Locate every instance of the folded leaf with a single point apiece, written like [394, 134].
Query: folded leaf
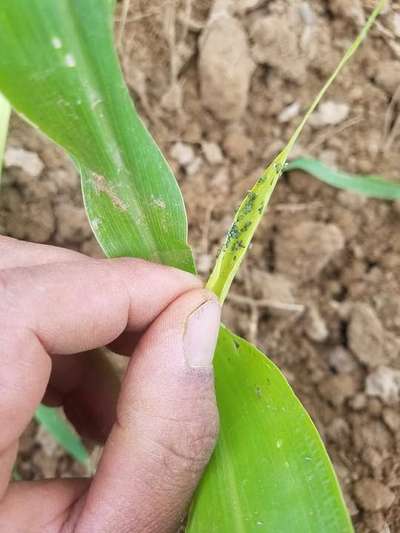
[371, 186]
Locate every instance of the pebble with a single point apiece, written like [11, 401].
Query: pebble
[315, 326]
[212, 152]
[388, 75]
[272, 287]
[337, 389]
[352, 200]
[341, 360]
[274, 40]
[372, 495]
[290, 112]
[391, 418]
[366, 335]
[304, 249]
[384, 383]
[225, 67]
[329, 113]
[359, 402]
[28, 161]
[182, 153]
[237, 145]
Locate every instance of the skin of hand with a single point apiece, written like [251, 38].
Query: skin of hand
[57, 307]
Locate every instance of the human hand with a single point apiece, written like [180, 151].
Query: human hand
[56, 308]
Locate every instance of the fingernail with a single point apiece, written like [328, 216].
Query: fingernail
[201, 334]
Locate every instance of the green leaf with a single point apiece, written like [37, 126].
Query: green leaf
[62, 432]
[270, 471]
[4, 118]
[59, 68]
[371, 186]
[254, 205]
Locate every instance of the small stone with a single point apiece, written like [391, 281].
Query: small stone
[194, 166]
[341, 360]
[304, 249]
[391, 418]
[352, 200]
[330, 113]
[172, 98]
[372, 457]
[204, 263]
[372, 495]
[212, 152]
[374, 434]
[273, 40]
[366, 335]
[272, 287]
[337, 389]
[338, 430]
[237, 144]
[288, 113]
[384, 383]
[182, 153]
[388, 75]
[396, 23]
[315, 326]
[225, 67]
[374, 406]
[221, 181]
[47, 442]
[28, 161]
[359, 402]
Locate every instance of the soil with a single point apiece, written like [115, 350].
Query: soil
[222, 84]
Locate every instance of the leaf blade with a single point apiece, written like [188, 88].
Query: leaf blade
[279, 478]
[62, 72]
[370, 186]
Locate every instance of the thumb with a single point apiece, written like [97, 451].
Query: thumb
[166, 424]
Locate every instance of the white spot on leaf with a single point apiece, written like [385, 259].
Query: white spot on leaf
[70, 61]
[56, 43]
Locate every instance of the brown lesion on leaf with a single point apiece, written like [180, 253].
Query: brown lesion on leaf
[101, 185]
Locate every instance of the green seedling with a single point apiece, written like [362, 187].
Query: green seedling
[370, 186]
[270, 471]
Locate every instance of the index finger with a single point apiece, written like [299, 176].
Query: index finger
[68, 308]
[81, 305]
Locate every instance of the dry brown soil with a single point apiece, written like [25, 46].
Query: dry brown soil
[320, 291]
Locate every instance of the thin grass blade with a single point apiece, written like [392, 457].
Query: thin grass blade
[370, 186]
[62, 432]
[254, 205]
